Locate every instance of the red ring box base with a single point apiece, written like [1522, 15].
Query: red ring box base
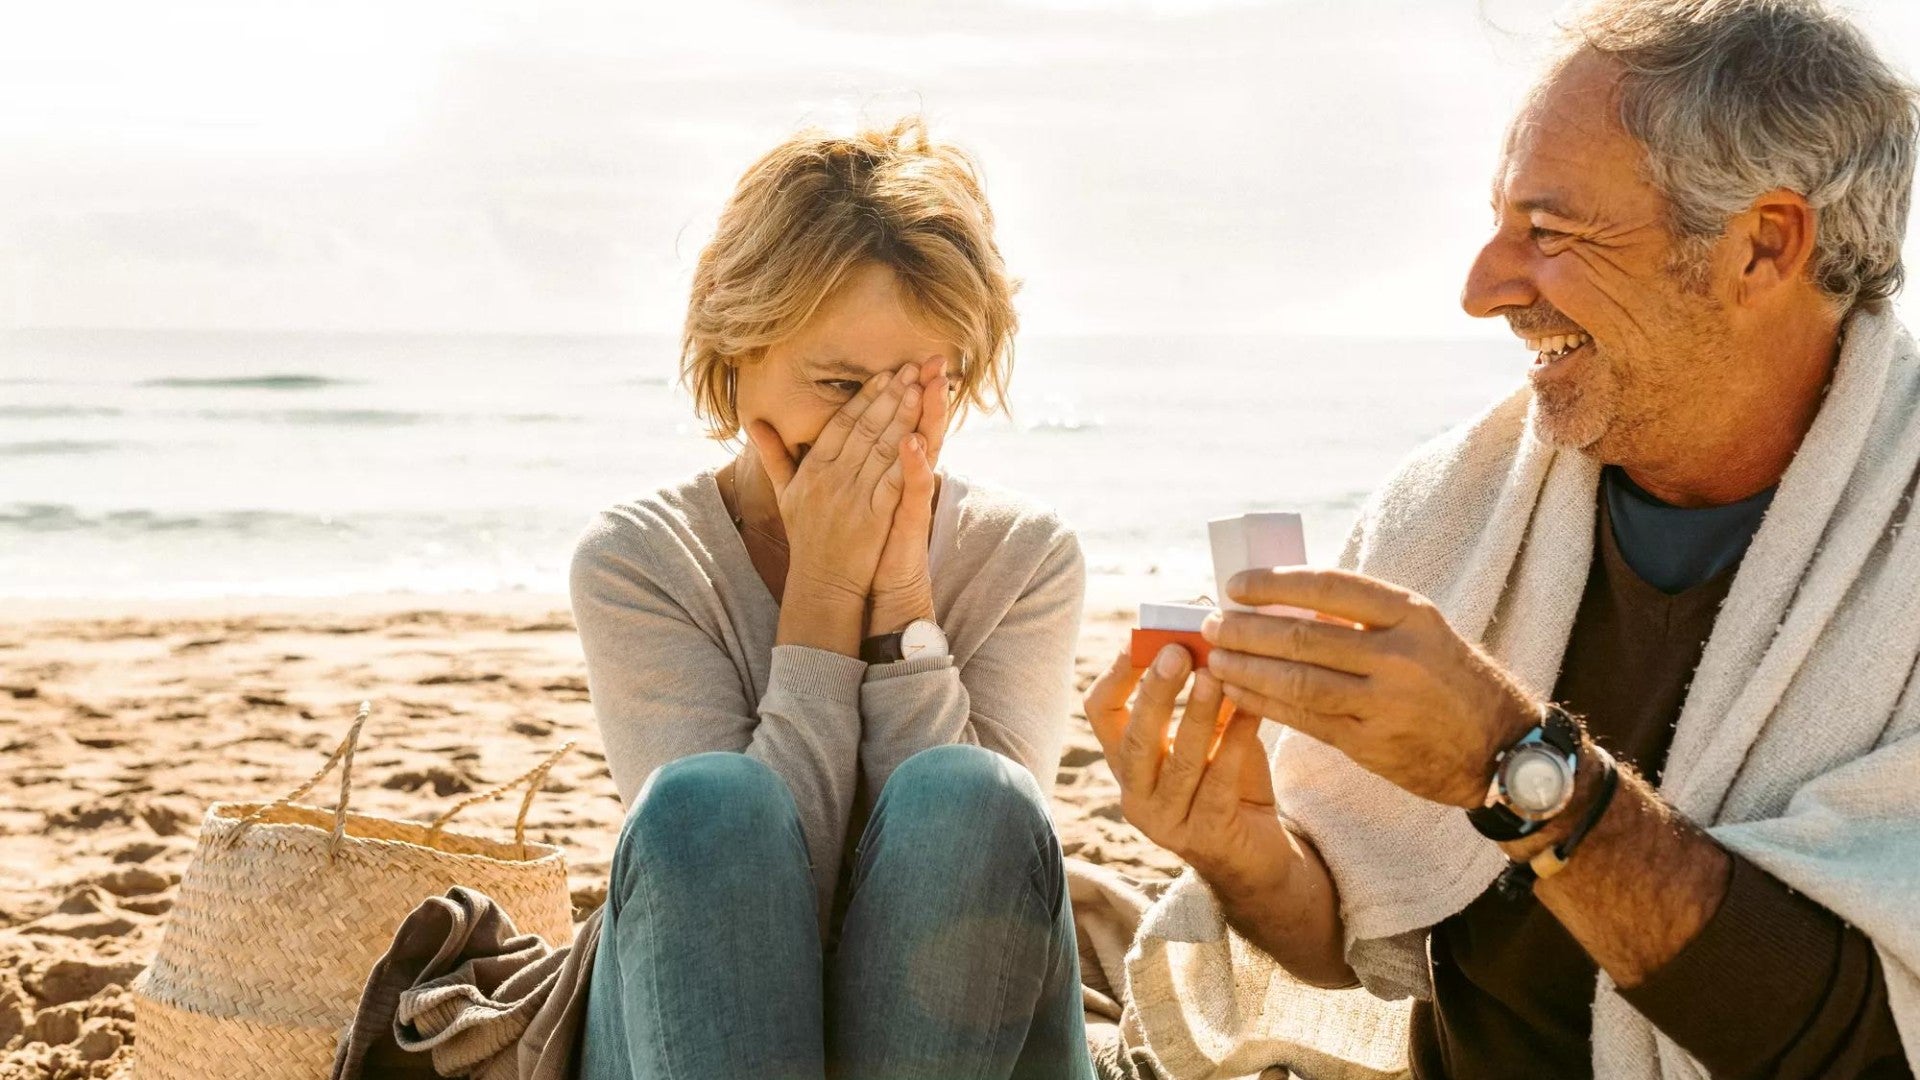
[1146, 645]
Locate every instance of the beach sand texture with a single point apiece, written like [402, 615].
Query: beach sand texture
[119, 727]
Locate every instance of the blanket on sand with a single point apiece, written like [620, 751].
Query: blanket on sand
[461, 993]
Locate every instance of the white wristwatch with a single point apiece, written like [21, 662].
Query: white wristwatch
[920, 639]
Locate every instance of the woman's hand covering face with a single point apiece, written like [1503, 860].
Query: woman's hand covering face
[838, 504]
[902, 587]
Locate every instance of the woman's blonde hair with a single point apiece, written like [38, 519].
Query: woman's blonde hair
[819, 207]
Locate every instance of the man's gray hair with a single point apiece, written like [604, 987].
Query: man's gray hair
[1735, 98]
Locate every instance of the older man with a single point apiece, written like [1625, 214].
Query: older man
[1609, 751]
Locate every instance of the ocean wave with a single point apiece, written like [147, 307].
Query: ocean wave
[56, 447]
[318, 417]
[63, 517]
[53, 412]
[1068, 424]
[247, 382]
[367, 417]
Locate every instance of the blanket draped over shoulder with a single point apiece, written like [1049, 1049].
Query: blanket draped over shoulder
[1798, 746]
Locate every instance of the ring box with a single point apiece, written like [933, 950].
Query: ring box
[1170, 624]
[1239, 543]
[1256, 541]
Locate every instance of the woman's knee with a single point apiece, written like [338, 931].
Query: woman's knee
[702, 807]
[968, 787]
[967, 818]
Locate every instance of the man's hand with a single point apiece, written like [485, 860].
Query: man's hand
[1206, 794]
[1392, 685]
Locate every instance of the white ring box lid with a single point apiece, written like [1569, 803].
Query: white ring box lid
[1256, 541]
[1181, 617]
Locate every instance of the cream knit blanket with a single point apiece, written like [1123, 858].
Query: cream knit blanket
[1798, 746]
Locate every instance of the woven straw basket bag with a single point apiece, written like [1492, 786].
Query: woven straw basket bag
[284, 909]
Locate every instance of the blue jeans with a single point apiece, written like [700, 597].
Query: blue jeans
[956, 957]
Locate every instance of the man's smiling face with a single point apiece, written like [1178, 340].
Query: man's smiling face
[1624, 320]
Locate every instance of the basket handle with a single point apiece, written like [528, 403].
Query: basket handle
[534, 778]
[342, 754]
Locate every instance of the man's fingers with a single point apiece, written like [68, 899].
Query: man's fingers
[1256, 771]
[833, 437]
[1339, 593]
[1285, 637]
[1330, 729]
[1193, 744]
[772, 454]
[1106, 706]
[1145, 744]
[1302, 686]
[1221, 792]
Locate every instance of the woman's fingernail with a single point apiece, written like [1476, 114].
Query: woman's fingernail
[1171, 661]
[915, 443]
[1210, 628]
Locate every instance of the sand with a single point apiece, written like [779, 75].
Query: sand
[120, 723]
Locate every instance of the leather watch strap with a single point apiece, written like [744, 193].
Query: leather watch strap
[882, 648]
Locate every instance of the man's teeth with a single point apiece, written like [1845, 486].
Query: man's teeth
[1557, 346]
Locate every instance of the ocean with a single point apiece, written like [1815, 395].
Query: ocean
[168, 465]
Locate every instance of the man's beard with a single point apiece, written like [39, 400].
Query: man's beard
[1577, 415]
[1573, 414]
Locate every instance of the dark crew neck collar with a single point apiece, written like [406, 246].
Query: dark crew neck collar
[1674, 548]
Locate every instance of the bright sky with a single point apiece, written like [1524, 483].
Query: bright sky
[1309, 166]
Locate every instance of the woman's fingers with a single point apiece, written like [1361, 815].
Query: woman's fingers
[887, 491]
[773, 455]
[934, 406]
[868, 427]
[886, 448]
[840, 427]
[916, 500]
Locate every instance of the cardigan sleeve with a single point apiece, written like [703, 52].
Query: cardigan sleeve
[1011, 696]
[664, 689]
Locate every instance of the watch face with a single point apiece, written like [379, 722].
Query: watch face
[1537, 781]
[921, 638]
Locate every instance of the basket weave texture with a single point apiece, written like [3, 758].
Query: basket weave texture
[285, 908]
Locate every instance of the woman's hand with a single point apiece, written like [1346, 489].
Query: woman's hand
[902, 587]
[837, 506]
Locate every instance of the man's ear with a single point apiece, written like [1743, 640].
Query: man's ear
[1779, 230]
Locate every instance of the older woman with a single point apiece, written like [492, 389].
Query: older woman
[828, 640]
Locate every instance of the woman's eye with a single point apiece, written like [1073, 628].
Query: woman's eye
[848, 387]
[1545, 235]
